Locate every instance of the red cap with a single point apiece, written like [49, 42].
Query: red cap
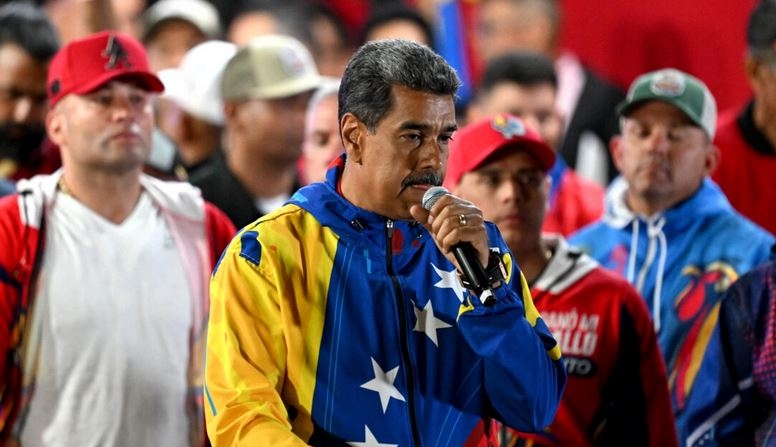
[87, 64]
[474, 143]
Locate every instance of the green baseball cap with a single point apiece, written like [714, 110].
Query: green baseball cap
[688, 93]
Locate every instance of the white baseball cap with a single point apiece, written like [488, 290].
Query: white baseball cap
[200, 13]
[195, 86]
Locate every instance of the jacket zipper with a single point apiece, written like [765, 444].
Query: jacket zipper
[403, 339]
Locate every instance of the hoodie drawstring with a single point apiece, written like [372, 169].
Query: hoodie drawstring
[633, 248]
[661, 266]
[654, 233]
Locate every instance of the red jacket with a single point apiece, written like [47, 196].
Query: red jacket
[617, 389]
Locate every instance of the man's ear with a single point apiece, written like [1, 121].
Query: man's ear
[352, 130]
[752, 68]
[230, 112]
[712, 159]
[615, 147]
[55, 123]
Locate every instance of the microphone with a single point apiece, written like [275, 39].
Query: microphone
[465, 254]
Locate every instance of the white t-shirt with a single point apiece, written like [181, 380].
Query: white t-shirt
[114, 312]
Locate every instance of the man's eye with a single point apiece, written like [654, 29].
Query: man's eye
[414, 138]
[139, 100]
[530, 179]
[677, 134]
[640, 132]
[492, 180]
[103, 99]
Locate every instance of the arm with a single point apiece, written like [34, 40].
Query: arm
[19, 262]
[246, 352]
[519, 355]
[721, 409]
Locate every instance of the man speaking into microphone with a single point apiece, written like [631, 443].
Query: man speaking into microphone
[347, 316]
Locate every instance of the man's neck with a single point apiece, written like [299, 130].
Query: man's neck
[533, 259]
[262, 177]
[109, 194]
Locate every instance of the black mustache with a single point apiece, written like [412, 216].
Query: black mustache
[425, 178]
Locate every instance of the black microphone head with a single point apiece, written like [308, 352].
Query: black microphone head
[431, 196]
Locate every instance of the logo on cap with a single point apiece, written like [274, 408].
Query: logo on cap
[116, 54]
[509, 127]
[292, 62]
[667, 83]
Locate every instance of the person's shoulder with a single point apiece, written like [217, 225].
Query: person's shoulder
[210, 171]
[278, 230]
[7, 187]
[10, 218]
[593, 230]
[604, 90]
[176, 197]
[736, 224]
[218, 221]
[9, 201]
[615, 285]
[281, 220]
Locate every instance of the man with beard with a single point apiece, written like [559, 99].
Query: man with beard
[28, 41]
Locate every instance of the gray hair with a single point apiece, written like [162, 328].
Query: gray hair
[378, 66]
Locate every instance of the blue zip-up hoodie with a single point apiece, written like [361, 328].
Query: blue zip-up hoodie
[681, 261]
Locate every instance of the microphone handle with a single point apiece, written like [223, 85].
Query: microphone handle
[473, 271]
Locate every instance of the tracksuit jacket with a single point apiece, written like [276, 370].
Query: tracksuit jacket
[331, 325]
[200, 232]
[736, 385]
[681, 261]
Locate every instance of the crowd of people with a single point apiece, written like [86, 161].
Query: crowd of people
[252, 223]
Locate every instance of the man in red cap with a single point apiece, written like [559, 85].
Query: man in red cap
[617, 389]
[103, 278]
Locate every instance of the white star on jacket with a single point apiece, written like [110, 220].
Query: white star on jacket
[428, 323]
[449, 281]
[370, 441]
[382, 384]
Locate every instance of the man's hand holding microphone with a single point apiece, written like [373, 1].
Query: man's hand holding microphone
[459, 231]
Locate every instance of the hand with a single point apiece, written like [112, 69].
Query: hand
[447, 227]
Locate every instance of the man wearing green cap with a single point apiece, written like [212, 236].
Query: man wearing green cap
[667, 227]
